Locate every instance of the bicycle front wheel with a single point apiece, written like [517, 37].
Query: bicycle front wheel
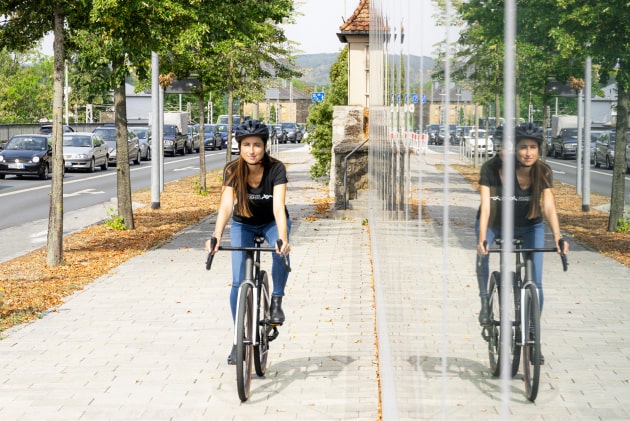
[495, 333]
[244, 341]
[531, 343]
[261, 350]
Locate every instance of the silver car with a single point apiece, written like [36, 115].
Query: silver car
[144, 137]
[108, 133]
[86, 151]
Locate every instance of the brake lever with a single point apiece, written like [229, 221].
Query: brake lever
[285, 259]
[213, 243]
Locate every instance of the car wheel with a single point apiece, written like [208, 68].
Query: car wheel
[92, 165]
[105, 164]
[137, 160]
[149, 154]
[595, 162]
[43, 172]
[609, 165]
[2, 176]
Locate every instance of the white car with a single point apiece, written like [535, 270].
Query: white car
[84, 151]
[235, 150]
[478, 136]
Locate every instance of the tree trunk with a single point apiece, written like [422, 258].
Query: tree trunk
[125, 208]
[202, 151]
[619, 169]
[54, 245]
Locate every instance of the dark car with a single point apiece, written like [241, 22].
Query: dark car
[26, 154]
[280, 133]
[193, 143]
[223, 131]
[47, 129]
[212, 138]
[605, 148]
[108, 134]
[565, 145]
[294, 133]
[174, 140]
[432, 131]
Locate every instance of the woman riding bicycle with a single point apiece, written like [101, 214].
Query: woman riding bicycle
[532, 198]
[254, 191]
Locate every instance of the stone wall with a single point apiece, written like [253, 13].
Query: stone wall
[349, 131]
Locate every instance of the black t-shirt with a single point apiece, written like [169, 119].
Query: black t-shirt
[522, 197]
[261, 197]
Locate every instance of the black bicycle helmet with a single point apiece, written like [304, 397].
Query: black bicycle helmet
[528, 131]
[522, 131]
[251, 128]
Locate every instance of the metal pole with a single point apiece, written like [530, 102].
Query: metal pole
[586, 194]
[582, 144]
[155, 150]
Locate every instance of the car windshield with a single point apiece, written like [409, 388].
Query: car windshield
[77, 141]
[288, 126]
[170, 130]
[222, 127]
[208, 128]
[141, 133]
[106, 133]
[25, 143]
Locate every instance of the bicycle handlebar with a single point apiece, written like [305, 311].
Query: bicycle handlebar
[213, 243]
[563, 256]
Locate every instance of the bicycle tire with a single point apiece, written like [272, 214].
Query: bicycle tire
[261, 350]
[531, 346]
[495, 333]
[244, 343]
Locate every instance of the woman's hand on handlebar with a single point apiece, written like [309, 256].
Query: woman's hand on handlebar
[212, 245]
[285, 248]
[482, 248]
[562, 246]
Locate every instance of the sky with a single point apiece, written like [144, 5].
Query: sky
[317, 26]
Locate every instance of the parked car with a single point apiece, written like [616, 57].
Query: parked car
[222, 129]
[26, 154]
[107, 132]
[174, 140]
[460, 134]
[144, 139]
[86, 151]
[294, 133]
[47, 129]
[479, 138]
[565, 145]
[280, 133]
[193, 143]
[432, 131]
[212, 138]
[605, 149]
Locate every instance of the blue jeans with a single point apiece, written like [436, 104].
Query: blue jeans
[533, 237]
[242, 235]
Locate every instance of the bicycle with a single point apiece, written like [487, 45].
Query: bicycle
[525, 327]
[252, 314]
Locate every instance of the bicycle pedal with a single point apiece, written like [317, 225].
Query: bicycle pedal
[274, 334]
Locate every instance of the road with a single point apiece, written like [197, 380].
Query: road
[25, 202]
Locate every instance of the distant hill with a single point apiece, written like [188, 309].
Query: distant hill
[315, 68]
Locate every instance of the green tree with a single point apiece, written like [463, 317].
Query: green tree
[321, 116]
[602, 30]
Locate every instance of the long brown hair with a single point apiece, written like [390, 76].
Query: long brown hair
[541, 179]
[236, 173]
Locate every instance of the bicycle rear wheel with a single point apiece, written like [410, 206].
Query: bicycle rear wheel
[244, 343]
[261, 350]
[495, 333]
[531, 343]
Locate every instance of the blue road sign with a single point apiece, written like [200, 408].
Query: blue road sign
[424, 98]
[414, 98]
[317, 96]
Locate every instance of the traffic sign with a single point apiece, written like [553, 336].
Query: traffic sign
[317, 96]
[414, 98]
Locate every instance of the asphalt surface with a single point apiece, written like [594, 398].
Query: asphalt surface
[149, 340]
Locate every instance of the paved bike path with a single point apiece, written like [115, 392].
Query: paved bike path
[149, 341]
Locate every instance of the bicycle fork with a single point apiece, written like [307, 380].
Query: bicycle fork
[252, 321]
